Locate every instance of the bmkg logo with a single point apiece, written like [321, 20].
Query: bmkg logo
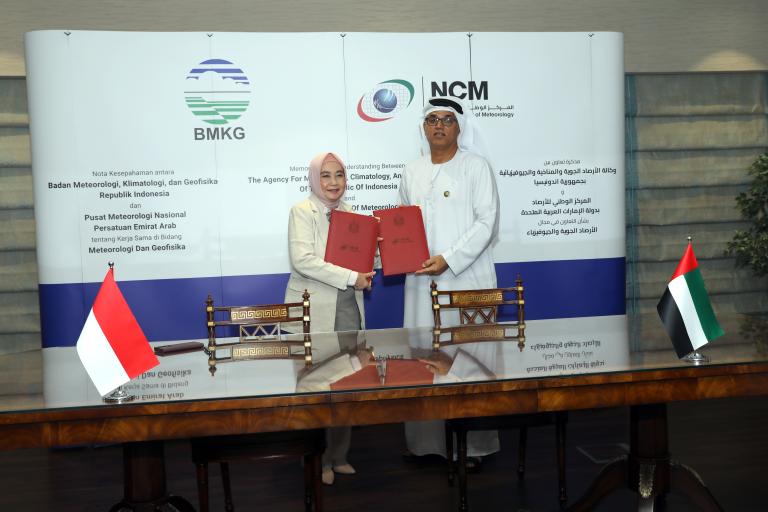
[385, 100]
[217, 93]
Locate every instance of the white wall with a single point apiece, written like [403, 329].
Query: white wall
[660, 35]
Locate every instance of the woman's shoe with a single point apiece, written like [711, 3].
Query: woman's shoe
[327, 476]
[344, 469]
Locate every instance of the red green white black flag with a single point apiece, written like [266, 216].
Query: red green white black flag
[685, 309]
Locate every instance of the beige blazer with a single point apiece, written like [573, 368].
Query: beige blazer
[307, 237]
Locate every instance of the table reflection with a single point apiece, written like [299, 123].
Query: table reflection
[361, 360]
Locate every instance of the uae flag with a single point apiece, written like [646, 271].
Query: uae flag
[112, 346]
[685, 309]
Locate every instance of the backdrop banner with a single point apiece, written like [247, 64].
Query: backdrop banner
[177, 156]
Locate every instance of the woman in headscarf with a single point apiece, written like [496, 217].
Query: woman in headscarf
[336, 293]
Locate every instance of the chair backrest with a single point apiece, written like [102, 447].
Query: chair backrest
[258, 331]
[478, 314]
[447, 336]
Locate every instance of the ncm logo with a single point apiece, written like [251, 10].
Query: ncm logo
[476, 90]
[219, 96]
[385, 100]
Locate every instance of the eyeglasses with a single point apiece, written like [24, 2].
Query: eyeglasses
[433, 120]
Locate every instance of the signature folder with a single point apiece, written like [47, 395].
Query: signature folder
[397, 372]
[352, 241]
[404, 247]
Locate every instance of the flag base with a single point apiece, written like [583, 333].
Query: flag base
[118, 396]
[696, 358]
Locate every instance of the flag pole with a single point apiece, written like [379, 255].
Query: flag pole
[695, 357]
[118, 395]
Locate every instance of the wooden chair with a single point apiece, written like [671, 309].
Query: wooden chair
[478, 322]
[479, 306]
[449, 336]
[258, 331]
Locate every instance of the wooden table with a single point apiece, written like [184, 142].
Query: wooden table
[645, 381]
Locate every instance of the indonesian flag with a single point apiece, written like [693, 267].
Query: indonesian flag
[685, 309]
[112, 346]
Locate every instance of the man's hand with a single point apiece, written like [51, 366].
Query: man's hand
[438, 363]
[364, 280]
[434, 266]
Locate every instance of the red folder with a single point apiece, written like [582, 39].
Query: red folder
[352, 241]
[400, 372]
[407, 372]
[404, 247]
[366, 378]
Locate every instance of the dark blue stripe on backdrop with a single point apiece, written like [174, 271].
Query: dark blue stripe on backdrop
[171, 309]
[568, 288]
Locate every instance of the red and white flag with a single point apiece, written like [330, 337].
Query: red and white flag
[112, 346]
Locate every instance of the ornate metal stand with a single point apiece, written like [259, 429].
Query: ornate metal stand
[119, 396]
[648, 469]
[144, 480]
[696, 358]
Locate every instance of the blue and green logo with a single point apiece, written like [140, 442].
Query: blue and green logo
[385, 100]
[217, 91]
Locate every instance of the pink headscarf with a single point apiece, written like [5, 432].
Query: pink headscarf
[314, 176]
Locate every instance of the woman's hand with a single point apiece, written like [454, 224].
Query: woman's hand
[364, 280]
[366, 357]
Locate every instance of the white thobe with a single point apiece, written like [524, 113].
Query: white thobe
[471, 362]
[460, 207]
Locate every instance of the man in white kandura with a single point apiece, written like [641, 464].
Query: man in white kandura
[456, 191]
